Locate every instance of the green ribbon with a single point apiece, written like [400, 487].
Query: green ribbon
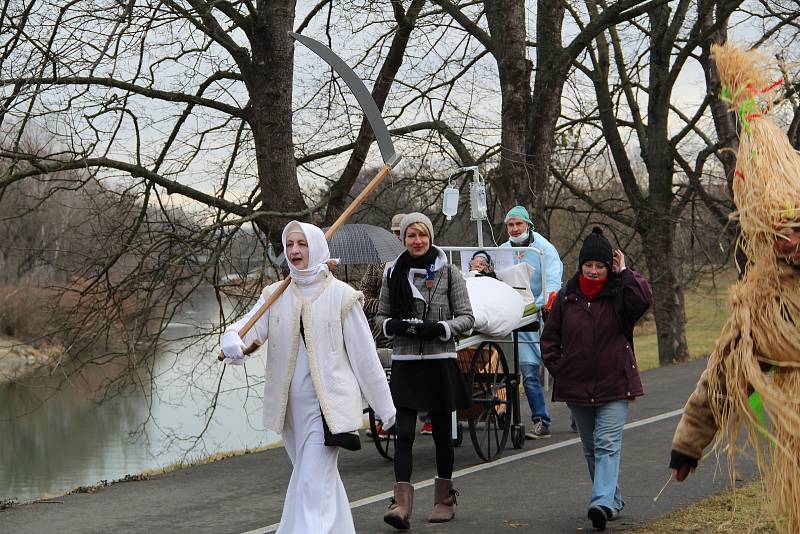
[757, 408]
[746, 108]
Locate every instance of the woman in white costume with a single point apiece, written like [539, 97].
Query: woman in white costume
[320, 357]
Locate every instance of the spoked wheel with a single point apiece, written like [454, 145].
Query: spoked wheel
[517, 436]
[385, 443]
[490, 415]
[459, 435]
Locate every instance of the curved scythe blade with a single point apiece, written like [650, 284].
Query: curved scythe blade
[363, 96]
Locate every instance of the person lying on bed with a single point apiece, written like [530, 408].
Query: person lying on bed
[481, 264]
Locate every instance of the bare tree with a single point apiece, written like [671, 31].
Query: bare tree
[187, 100]
[646, 64]
[529, 119]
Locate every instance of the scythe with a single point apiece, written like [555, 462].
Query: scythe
[388, 153]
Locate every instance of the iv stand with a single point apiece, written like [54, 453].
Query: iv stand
[477, 200]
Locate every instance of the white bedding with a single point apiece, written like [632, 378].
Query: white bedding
[497, 306]
[519, 277]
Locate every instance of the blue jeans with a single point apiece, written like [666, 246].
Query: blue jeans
[600, 427]
[533, 390]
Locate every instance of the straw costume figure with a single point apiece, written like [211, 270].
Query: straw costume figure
[757, 356]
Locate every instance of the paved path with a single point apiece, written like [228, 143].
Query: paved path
[542, 488]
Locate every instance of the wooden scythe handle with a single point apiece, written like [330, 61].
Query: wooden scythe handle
[371, 186]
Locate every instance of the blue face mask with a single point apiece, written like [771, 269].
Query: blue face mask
[520, 238]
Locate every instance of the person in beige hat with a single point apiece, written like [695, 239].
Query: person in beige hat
[373, 278]
[371, 287]
[395, 227]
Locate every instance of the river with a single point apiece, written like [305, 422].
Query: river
[57, 434]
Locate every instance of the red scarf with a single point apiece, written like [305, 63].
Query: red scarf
[591, 287]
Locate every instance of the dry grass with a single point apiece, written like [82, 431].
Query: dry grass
[706, 312]
[737, 511]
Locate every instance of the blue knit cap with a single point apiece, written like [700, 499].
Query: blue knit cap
[519, 212]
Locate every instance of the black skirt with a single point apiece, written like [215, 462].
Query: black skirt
[429, 385]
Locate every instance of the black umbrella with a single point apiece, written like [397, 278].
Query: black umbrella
[363, 244]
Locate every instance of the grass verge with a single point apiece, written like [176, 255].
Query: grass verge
[737, 511]
[706, 312]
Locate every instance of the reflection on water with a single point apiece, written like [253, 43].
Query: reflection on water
[56, 434]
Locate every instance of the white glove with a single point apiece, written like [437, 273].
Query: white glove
[232, 347]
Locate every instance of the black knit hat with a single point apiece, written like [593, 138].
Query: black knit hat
[596, 248]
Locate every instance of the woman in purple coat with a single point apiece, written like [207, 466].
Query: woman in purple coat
[587, 345]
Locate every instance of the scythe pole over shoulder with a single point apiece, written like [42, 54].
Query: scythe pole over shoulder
[384, 140]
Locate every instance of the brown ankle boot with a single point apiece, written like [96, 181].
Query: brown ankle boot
[444, 500]
[399, 514]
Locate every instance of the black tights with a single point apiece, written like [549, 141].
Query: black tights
[442, 437]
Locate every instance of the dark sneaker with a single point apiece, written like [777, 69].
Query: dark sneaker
[613, 515]
[573, 426]
[598, 516]
[540, 430]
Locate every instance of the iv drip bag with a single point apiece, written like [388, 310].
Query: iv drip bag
[477, 201]
[450, 202]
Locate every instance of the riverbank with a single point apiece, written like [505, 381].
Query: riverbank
[18, 359]
[148, 474]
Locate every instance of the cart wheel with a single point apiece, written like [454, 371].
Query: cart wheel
[490, 384]
[518, 436]
[386, 443]
[459, 435]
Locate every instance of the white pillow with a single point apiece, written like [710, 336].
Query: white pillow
[519, 277]
[497, 306]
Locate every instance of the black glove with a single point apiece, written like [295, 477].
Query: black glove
[396, 327]
[682, 465]
[431, 330]
[678, 460]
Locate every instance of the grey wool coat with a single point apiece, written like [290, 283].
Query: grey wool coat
[447, 302]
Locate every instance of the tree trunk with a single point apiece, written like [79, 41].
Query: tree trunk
[668, 299]
[270, 117]
[793, 132]
[658, 234]
[506, 19]
[653, 212]
[724, 118]
[544, 110]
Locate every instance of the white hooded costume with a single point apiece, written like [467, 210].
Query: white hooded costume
[327, 372]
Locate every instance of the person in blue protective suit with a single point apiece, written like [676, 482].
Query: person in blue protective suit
[521, 234]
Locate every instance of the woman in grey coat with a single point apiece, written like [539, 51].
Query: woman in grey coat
[423, 306]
